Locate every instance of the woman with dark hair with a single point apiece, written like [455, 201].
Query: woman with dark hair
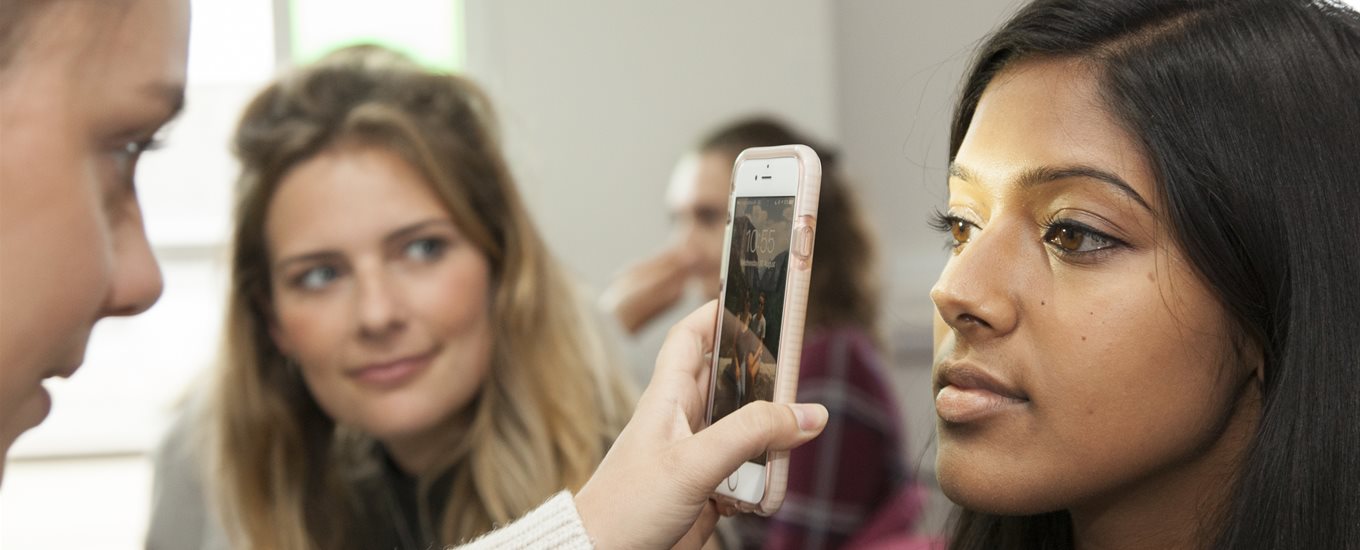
[1147, 330]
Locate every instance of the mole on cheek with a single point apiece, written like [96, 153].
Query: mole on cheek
[1150, 277]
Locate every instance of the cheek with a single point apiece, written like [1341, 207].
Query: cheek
[312, 330]
[455, 300]
[1122, 385]
[55, 252]
[1143, 356]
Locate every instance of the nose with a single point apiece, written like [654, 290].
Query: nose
[136, 282]
[380, 310]
[977, 294]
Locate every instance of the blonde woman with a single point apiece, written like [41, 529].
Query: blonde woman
[405, 364]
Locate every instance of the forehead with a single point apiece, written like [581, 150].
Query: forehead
[109, 45]
[348, 196]
[1050, 113]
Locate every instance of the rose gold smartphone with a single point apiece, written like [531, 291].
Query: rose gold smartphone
[767, 261]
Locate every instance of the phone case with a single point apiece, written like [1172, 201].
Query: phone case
[795, 305]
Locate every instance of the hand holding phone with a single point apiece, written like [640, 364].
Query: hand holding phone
[632, 503]
[767, 264]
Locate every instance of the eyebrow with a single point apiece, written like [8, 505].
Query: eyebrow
[1045, 174]
[399, 234]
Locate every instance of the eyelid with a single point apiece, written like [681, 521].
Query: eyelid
[1089, 255]
[297, 279]
[439, 244]
[1062, 219]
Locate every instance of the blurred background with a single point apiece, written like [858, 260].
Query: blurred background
[598, 99]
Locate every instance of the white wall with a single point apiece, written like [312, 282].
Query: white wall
[898, 67]
[600, 97]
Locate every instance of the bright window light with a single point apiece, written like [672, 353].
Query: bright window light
[429, 31]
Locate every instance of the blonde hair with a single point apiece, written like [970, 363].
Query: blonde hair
[553, 398]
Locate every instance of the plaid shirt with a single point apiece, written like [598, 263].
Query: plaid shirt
[850, 486]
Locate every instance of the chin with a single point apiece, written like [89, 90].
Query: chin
[397, 427]
[401, 419]
[980, 487]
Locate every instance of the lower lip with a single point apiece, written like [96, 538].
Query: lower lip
[960, 405]
[394, 374]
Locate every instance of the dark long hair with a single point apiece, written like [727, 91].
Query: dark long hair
[844, 289]
[1249, 111]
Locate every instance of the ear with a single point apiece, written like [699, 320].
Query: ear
[1254, 358]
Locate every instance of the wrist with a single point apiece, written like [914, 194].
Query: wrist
[588, 515]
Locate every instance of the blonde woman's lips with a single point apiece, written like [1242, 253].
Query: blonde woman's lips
[393, 373]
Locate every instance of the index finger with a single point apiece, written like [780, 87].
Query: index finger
[681, 359]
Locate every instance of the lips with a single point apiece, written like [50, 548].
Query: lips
[966, 393]
[391, 373]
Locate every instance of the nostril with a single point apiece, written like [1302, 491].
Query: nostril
[970, 319]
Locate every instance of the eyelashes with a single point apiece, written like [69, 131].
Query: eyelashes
[957, 230]
[1069, 238]
[1073, 238]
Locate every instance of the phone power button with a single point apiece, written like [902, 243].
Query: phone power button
[802, 242]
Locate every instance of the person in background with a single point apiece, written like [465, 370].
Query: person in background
[854, 486]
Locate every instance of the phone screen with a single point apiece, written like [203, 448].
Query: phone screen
[757, 269]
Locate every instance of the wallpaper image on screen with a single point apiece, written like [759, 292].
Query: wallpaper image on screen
[757, 269]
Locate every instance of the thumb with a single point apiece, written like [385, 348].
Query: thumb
[761, 426]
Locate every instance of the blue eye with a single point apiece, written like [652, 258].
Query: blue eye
[316, 278]
[426, 249]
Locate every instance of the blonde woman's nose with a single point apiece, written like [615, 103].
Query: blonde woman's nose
[380, 310]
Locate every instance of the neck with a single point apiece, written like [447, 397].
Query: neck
[1179, 507]
[419, 453]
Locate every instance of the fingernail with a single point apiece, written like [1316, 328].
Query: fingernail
[811, 416]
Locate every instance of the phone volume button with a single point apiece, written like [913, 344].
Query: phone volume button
[803, 242]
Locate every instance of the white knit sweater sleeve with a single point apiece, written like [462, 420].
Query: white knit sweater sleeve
[554, 524]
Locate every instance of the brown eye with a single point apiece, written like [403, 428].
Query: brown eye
[1068, 238]
[1073, 238]
[960, 230]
